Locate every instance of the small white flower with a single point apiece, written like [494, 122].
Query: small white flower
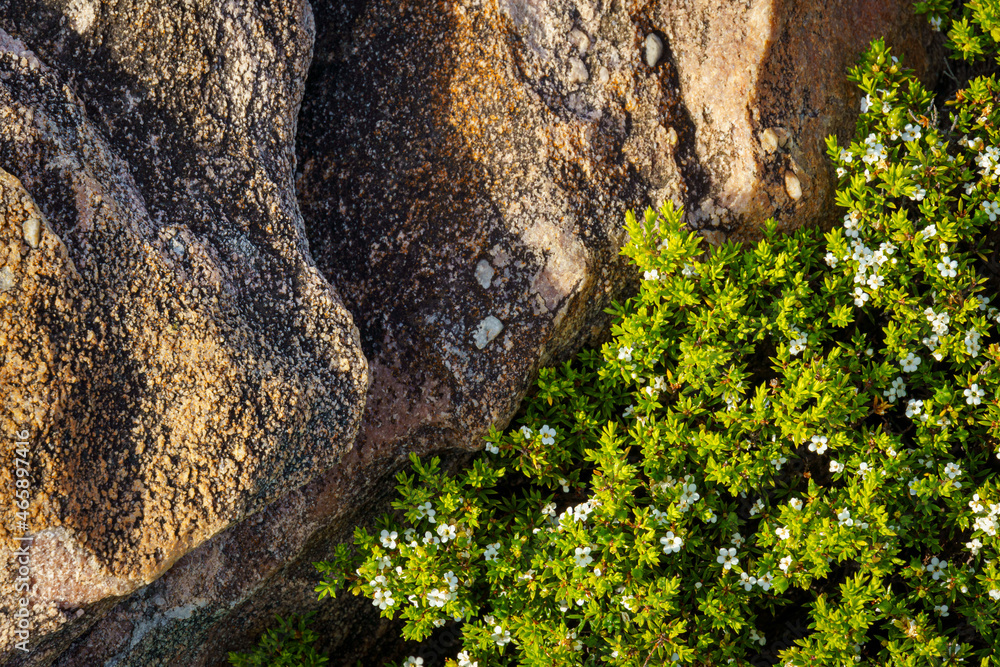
[818, 444]
[413, 662]
[952, 470]
[831, 259]
[785, 563]
[947, 267]
[795, 504]
[974, 546]
[911, 132]
[583, 557]
[936, 567]
[389, 539]
[671, 543]
[844, 518]
[527, 433]
[383, 599]
[863, 469]
[845, 156]
[548, 435]
[935, 22]
[727, 558]
[941, 610]
[860, 297]
[929, 231]
[913, 407]
[836, 466]
[782, 533]
[992, 209]
[651, 275]
[446, 531]
[426, 510]
[500, 636]
[492, 448]
[910, 363]
[737, 540]
[465, 661]
[625, 353]
[995, 594]
[798, 344]
[491, 551]
[866, 103]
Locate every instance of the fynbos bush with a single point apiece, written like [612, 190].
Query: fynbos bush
[805, 426]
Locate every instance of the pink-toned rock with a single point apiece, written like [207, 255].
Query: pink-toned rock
[172, 359]
[764, 84]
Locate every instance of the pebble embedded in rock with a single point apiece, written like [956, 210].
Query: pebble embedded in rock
[654, 49]
[577, 71]
[792, 186]
[484, 273]
[769, 140]
[487, 331]
[32, 229]
[6, 279]
[603, 75]
[580, 40]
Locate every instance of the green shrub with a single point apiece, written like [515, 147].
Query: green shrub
[288, 645]
[803, 427]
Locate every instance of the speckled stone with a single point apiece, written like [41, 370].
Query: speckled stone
[165, 396]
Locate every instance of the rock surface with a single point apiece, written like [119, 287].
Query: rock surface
[464, 168]
[177, 360]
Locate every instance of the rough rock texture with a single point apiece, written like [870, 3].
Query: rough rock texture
[464, 171]
[174, 355]
[764, 84]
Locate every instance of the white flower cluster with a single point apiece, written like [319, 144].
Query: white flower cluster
[382, 596]
[987, 523]
[874, 151]
[580, 513]
[439, 597]
[896, 390]
[972, 346]
[689, 492]
[989, 161]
